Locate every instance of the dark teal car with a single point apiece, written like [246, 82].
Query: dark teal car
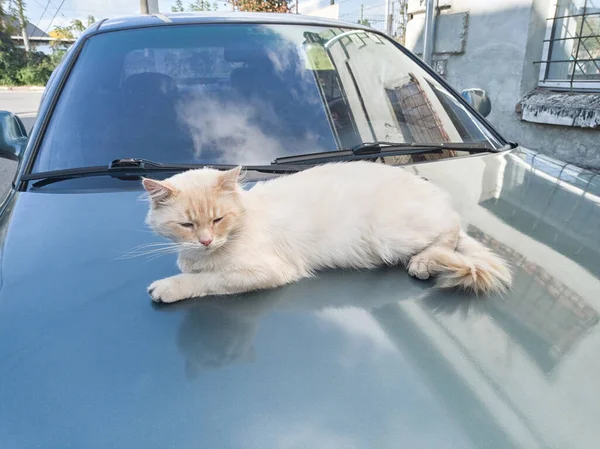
[369, 359]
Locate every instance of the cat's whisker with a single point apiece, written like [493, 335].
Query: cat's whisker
[150, 255]
[149, 246]
[153, 248]
[140, 230]
[156, 244]
[149, 251]
[144, 245]
[155, 254]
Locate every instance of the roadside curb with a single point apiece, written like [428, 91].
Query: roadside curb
[22, 88]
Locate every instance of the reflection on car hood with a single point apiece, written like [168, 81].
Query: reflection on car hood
[348, 360]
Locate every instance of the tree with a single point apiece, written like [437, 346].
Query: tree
[77, 26]
[178, 7]
[18, 67]
[197, 6]
[264, 5]
[64, 34]
[2, 16]
[202, 5]
[8, 19]
[362, 20]
[20, 13]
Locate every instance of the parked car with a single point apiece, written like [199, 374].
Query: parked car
[369, 359]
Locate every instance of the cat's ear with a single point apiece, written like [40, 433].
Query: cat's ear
[229, 179]
[159, 191]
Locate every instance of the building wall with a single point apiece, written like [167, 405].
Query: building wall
[493, 44]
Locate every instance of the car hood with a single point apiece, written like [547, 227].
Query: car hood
[347, 360]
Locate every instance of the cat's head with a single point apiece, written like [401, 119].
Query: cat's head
[200, 208]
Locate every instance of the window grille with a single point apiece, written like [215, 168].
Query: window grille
[571, 51]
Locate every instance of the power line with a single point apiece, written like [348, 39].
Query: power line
[43, 12]
[41, 6]
[38, 3]
[342, 2]
[322, 3]
[101, 11]
[373, 7]
[54, 16]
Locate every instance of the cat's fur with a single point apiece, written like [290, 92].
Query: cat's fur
[344, 215]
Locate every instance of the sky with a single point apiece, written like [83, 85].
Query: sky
[47, 14]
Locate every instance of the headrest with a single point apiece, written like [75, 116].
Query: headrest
[246, 53]
[150, 83]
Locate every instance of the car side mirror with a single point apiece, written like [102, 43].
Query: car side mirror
[13, 136]
[479, 100]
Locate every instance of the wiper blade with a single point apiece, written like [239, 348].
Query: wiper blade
[369, 150]
[134, 169]
[369, 147]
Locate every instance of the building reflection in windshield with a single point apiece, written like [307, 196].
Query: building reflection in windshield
[552, 315]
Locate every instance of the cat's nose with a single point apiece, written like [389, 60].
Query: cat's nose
[206, 242]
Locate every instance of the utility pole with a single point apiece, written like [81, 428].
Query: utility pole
[389, 14]
[153, 6]
[23, 23]
[429, 35]
[400, 20]
[144, 7]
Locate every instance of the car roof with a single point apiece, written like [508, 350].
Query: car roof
[138, 21]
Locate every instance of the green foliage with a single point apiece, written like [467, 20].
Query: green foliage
[11, 60]
[17, 67]
[202, 5]
[35, 74]
[196, 6]
[283, 6]
[3, 15]
[63, 34]
[178, 7]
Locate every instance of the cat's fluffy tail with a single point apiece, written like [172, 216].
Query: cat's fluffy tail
[473, 267]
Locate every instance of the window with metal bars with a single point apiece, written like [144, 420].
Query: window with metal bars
[571, 55]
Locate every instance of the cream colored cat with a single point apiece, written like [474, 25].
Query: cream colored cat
[344, 215]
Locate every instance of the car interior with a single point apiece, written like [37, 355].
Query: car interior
[148, 105]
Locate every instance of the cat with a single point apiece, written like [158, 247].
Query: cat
[340, 215]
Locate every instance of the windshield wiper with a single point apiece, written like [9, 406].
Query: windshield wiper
[369, 150]
[134, 169]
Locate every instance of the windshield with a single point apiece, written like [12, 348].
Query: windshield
[244, 94]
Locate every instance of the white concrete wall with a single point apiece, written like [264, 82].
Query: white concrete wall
[502, 39]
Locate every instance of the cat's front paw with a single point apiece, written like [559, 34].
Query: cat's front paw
[167, 290]
[419, 267]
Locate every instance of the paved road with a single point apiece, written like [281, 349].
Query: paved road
[24, 104]
[20, 102]
[28, 121]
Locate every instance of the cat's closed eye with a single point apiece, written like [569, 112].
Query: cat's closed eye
[216, 220]
[187, 225]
